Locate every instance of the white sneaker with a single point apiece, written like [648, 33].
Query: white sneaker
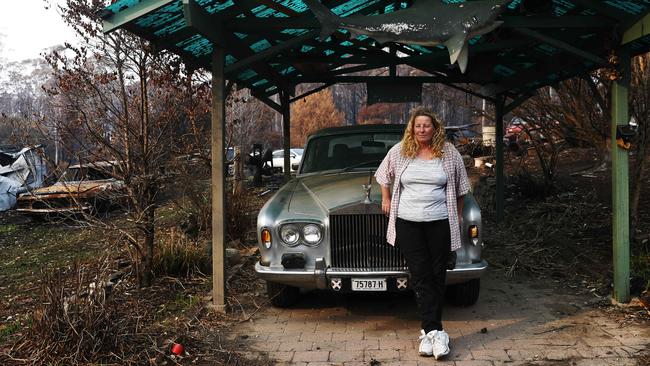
[440, 343]
[426, 343]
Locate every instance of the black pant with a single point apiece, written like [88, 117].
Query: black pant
[426, 247]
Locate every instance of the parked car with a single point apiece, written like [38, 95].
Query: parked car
[294, 159]
[90, 188]
[466, 140]
[325, 229]
[515, 127]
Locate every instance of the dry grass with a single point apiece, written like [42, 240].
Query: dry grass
[176, 255]
[79, 320]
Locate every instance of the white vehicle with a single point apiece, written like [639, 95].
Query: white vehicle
[278, 159]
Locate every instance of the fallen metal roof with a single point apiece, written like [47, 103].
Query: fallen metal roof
[273, 45]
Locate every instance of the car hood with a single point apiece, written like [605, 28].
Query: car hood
[328, 192]
[75, 187]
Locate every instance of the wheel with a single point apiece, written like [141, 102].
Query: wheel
[282, 296]
[464, 294]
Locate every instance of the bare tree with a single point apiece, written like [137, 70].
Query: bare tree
[249, 121]
[121, 102]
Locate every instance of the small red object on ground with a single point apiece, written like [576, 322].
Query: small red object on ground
[178, 349]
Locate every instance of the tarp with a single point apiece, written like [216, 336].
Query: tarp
[8, 193]
[20, 170]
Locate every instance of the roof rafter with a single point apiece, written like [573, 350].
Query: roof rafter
[638, 30]
[112, 22]
[562, 45]
[204, 23]
[604, 9]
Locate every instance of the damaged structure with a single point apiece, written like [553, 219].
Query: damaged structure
[21, 169]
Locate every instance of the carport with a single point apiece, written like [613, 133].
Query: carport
[270, 46]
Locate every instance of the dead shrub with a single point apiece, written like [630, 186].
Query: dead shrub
[78, 321]
[531, 186]
[237, 220]
[177, 255]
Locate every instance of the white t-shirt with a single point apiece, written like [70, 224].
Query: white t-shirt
[423, 196]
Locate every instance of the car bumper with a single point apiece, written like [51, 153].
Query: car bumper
[322, 278]
[60, 210]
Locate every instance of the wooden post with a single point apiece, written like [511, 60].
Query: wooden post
[620, 186]
[218, 181]
[285, 104]
[498, 135]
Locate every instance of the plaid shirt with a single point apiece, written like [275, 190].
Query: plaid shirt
[391, 169]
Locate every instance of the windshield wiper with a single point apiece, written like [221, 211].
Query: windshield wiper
[360, 165]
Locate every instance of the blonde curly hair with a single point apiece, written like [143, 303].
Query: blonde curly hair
[410, 146]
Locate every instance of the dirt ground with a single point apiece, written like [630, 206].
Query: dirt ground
[545, 301]
[515, 322]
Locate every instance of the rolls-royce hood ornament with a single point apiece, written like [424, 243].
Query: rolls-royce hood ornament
[367, 188]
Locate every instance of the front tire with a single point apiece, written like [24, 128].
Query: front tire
[282, 296]
[464, 294]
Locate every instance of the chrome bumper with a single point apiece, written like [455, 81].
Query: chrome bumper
[319, 278]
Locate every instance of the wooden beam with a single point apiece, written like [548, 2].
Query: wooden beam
[357, 68]
[270, 52]
[638, 30]
[198, 19]
[255, 24]
[604, 9]
[365, 79]
[565, 21]
[132, 13]
[468, 91]
[561, 45]
[315, 90]
[218, 181]
[498, 118]
[620, 186]
[204, 23]
[285, 103]
[516, 103]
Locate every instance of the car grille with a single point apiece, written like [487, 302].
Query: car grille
[359, 242]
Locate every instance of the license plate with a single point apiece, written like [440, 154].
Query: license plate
[368, 284]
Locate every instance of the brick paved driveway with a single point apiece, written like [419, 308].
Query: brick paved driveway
[513, 323]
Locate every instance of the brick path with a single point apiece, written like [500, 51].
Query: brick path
[522, 324]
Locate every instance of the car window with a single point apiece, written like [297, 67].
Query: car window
[71, 175]
[84, 173]
[97, 174]
[345, 151]
[278, 154]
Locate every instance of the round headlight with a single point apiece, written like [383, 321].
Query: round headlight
[290, 234]
[312, 234]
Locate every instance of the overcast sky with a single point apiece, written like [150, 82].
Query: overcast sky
[27, 27]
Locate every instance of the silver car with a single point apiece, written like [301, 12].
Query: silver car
[325, 230]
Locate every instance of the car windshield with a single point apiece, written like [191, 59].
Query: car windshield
[77, 174]
[350, 151]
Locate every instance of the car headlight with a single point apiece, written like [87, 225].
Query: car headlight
[290, 234]
[311, 234]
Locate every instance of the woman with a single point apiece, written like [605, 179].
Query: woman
[424, 206]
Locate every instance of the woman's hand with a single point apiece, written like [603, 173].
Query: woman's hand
[385, 206]
[385, 200]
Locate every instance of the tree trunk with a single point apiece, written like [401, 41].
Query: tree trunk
[149, 240]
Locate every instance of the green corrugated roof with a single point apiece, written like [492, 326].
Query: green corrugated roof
[528, 51]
